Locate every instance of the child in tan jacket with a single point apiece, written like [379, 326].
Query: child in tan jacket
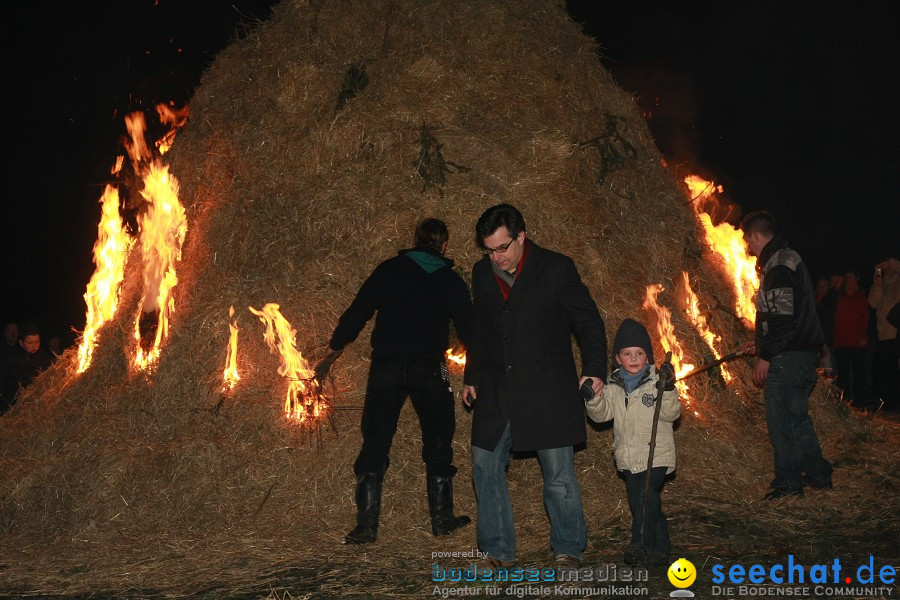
[630, 400]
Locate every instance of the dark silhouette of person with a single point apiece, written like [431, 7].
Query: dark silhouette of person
[851, 321]
[415, 295]
[8, 354]
[826, 302]
[30, 359]
[884, 298]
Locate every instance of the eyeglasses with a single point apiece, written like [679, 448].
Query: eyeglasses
[499, 249]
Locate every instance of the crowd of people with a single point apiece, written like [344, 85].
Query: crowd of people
[528, 395]
[22, 357]
[862, 348]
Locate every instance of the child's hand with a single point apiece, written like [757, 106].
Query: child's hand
[667, 374]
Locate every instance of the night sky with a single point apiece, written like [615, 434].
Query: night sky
[791, 109]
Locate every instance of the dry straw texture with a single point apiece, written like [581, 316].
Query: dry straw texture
[298, 179]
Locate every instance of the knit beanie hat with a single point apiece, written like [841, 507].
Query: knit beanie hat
[632, 334]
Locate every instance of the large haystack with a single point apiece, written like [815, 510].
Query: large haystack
[315, 143]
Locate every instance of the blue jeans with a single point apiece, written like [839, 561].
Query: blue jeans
[562, 498]
[792, 376]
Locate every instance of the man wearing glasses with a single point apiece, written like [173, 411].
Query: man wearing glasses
[416, 293]
[522, 380]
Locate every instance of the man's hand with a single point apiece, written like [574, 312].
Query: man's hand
[323, 366]
[749, 348]
[760, 372]
[596, 384]
[469, 395]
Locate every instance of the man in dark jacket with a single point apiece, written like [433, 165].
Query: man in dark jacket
[415, 294]
[788, 339]
[521, 377]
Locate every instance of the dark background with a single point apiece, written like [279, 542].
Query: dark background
[791, 109]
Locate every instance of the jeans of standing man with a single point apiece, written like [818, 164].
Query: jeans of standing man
[792, 376]
[425, 381]
[652, 520]
[562, 498]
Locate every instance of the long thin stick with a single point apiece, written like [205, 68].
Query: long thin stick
[714, 363]
[660, 386]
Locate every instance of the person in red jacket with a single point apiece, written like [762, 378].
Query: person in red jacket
[851, 322]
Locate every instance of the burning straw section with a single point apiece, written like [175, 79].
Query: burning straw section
[114, 481]
[726, 241]
[304, 400]
[162, 226]
[110, 253]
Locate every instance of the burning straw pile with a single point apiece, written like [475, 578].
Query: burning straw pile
[314, 144]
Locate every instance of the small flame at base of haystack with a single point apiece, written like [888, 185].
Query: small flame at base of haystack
[230, 375]
[304, 401]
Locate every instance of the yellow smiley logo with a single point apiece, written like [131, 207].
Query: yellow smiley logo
[682, 573]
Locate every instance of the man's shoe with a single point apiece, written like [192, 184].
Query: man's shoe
[566, 561]
[361, 534]
[488, 564]
[819, 485]
[440, 506]
[368, 509]
[635, 556]
[658, 559]
[783, 492]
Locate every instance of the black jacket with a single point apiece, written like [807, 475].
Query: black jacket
[416, 293]
[520, 355]
[786, 316]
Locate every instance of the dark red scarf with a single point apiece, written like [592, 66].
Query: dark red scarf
[505, 287]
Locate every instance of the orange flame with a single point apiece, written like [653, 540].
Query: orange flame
[163, 228]
[728, 242]
[456, 358]
[110, 253]
[692, 308]
[175, 119]
[301, 402]
[667, 337]
[231, 375]
[136, 145]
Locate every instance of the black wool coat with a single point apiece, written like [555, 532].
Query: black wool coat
[520, 353]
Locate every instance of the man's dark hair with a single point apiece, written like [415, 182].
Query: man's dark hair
[29, 329]
[493, 218]
[432, 233]
[759, 221]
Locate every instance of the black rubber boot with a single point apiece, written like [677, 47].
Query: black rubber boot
[440, 505]
[368, 508]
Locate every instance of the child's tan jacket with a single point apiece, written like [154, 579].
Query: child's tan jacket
[633, 423]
